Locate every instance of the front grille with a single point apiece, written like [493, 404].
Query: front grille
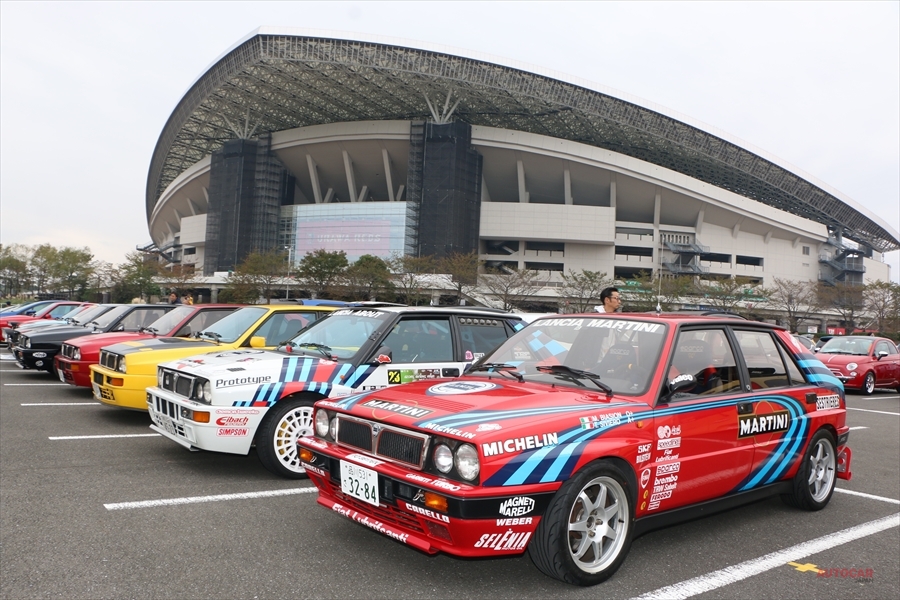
[386, 513]
[109, 360]
[98, 378]
[399, 446]
[177, 382]
[170, 409]
[68, 350]
[167, 415]
[355, 434]
[107, 394]
[394, 443]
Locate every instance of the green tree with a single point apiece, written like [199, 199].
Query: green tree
[726, 294]
[41, 266]
[368, 278]
[844, 298]
[410, 277]
[14, 272]
[797, 300]
[321, 269]
[134, 278]
[258, 276]
[71, 271]
[581, 290]
[882, 299]
[463, 270]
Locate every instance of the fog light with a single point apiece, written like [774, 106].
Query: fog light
[439, 531]
[436, 501]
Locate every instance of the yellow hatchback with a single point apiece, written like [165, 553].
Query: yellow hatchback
[126, 370]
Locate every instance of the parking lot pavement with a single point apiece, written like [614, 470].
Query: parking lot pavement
[93, 504]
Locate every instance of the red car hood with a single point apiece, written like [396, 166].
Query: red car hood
[487, 408]
[840, 360]
[93, 343]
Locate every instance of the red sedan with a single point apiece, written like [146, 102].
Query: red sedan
[862, 362]
[73, 364]
[580, 433]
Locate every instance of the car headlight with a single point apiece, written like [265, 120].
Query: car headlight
[322, 423]
[120, 364]
[443, 458]
[466, 461]
[76, 354]
[203, 391]
[851, 366]
[160, 377]
[333, 429]
[26, 343]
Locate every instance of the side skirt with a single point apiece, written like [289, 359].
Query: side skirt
[710, 507]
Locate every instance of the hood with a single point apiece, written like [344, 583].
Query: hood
[228, 362]
[842, 359]
[99, 340]
[149, 344]
[58, 334]
[489, 409]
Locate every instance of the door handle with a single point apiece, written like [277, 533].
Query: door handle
[745, 408]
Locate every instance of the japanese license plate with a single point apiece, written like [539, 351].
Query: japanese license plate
[359, 482]
[61, 376]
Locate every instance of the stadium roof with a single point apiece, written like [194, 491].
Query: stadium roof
[274, 80]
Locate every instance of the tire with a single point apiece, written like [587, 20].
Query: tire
[813, 484]
[276, 440]
[586, 532]
[868, 386]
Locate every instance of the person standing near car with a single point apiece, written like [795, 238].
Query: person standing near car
[173, 298]
[610, 299]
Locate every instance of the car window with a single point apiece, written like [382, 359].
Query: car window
[202, 320]
[63, 310]
[479, 335]
[764, 362]
[282, 326]
[855, 346]
[344, 331]
[421, 340]
[141, 317]
[706, 354]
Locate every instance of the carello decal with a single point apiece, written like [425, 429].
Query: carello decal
[520, 444]
[749, 425]
[410, 411]
[222, 383]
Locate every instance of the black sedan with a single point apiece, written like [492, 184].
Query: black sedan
[37, 349]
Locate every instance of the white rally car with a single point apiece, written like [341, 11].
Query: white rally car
[226, 402]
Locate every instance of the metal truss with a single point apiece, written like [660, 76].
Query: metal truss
[282, 82]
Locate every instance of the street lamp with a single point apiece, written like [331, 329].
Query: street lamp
[287, 285]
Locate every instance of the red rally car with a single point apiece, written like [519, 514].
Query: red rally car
[582, 432]
[73, 364]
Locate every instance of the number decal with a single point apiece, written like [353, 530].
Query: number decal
[394, 377]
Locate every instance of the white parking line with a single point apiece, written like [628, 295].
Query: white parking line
[855, 428]
[741, 571]
[870, 496]
[102, 437]
[880, 412]
[219, 498]
[62, 404]
[36, 384]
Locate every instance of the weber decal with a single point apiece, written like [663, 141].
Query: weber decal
[516, 507]
[754, 424]
[520, 444]
[401, 409]
[510, 522]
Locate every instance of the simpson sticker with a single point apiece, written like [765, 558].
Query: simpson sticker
[749, 425]
[451, 388]
[827, 402]
[232, 421]
[520, 444]
[232, 431]
[516, 507]
[448, 430]
[402, 409]
[510, 540]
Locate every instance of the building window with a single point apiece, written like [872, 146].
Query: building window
[805, 250]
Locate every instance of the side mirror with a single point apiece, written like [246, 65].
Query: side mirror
[381, 356]
[685, 381]
[880, 355]
[120, 327]
[257, 341]
[30, 313]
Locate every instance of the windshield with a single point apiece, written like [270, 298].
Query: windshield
[90, 314]
[857, 346]
[168, 321]
[110, 317]
[232, 327]
[343, 332]
[621, 353]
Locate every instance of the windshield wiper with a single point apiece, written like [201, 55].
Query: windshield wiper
[499, 368]
[576, 374]
[151, 330]
[322, 348]
[210, 334]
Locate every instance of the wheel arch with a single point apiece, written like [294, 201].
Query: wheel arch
[298, 395]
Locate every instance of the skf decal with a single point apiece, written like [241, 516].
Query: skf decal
[827, 402]
[448, 430]
[510, 540]
[516, 507]
[520, 444]
[402, 409]
[749, 425]
[643, 453]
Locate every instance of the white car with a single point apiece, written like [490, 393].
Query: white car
[226, 402]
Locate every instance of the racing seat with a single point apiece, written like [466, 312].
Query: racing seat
[695, 357]
[619, 359]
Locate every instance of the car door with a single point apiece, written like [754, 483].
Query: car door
[887, 367]
[697, 452]
[420, 348]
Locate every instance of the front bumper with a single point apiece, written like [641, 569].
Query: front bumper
[476, 523]
[229, 430]
[74, 372]
[120, 389]
[35, 358]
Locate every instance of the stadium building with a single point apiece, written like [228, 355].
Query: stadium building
[302, 142]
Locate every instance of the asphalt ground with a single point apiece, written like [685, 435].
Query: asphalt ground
[94, 505]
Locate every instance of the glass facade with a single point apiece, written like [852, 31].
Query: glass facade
[376, 228]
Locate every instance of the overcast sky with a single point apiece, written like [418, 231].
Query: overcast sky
[86, 87]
